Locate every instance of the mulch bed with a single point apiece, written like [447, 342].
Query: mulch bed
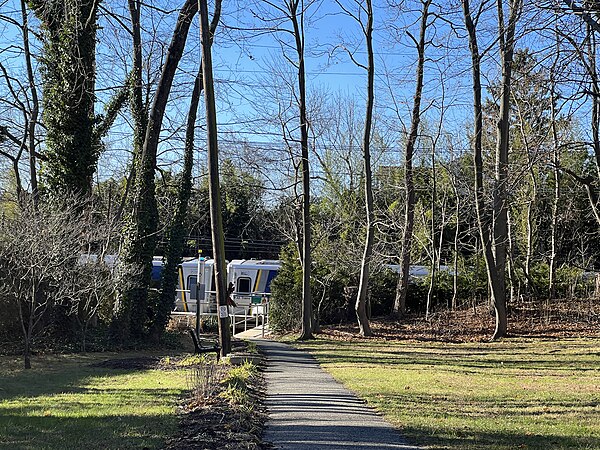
[218, 425]
[215, 423]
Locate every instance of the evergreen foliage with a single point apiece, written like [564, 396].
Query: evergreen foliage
[286, 293]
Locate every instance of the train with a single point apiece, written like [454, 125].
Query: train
[249, 281]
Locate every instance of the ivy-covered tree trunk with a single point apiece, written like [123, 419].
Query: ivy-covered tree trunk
[176, 233]
[139, 236]
[136, 85]
[69, 77]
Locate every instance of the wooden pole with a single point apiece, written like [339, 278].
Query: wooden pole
[216, 219]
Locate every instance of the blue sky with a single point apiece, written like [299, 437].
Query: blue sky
[249, 94]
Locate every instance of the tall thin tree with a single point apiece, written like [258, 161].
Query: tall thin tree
[364, 17]
[176, 231]
[399, 307]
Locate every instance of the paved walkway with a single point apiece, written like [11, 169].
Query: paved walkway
[253, 333]
[309, 410]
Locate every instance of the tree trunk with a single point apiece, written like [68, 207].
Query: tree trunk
[298, 33]
[530, 224]
[432, 272]
[512, 277]
[495, 282]
[69, 36]
[216, 219]
[363, 287]
[500, 207]
[176, 233]
[35, 108]
[556, 198]
[595, 100]
[399, 308]
[27, 353]
[456, 236]
[595, 121]
[27, 323]
[139, 242]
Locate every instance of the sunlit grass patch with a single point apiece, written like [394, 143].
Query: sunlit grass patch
[66, 402]
[518, 393]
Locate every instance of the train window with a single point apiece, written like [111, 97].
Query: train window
[243, 285]
[191, 285]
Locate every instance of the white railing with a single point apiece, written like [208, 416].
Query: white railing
[247, 309]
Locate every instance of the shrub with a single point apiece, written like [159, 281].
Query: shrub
[286, 293]
[382, 292]
[571, 282]
[43, 275]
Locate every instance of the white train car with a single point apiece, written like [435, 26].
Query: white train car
[251, 277]
[251, 281]
[417, 272]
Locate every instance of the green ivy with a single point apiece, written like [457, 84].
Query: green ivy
[68, 71]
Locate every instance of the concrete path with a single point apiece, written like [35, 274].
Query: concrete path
[309, 410]
[253, 333]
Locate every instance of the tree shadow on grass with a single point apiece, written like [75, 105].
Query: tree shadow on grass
[435, 439]
[51, 432]
[453, 363]
[365, 437]
[62, 377]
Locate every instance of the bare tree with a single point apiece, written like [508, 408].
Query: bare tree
[296, 17]
[364, 17]
[286, 20]
[494, 242]
[176, 231]
[586, 50]
[399, 308]
[39, 254]
[506, 42]
[556, 157]
[20, 136]
[35, 106]
[135, 260]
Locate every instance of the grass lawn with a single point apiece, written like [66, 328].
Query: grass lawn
[518, 393]
[66, 403]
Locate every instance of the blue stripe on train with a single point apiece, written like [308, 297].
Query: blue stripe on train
[156, 270]
[272, 274]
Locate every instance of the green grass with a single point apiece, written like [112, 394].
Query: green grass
[65, 403]
[518, 393]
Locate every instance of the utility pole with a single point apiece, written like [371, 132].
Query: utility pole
[216, 220]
